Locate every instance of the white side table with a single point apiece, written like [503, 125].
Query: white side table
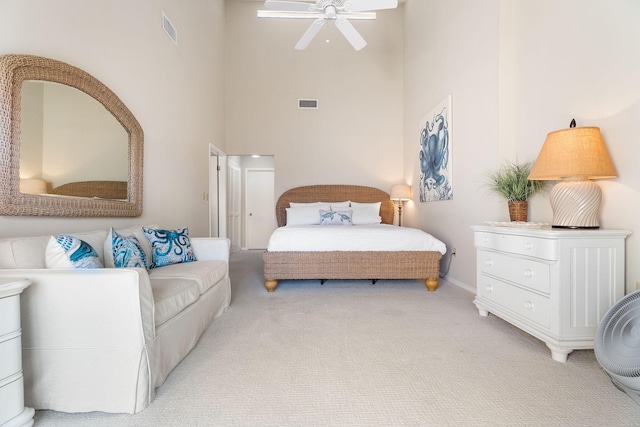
[12, 409]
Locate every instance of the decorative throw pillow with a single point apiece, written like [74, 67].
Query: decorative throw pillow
[169, 246]
[127, 251]
[64, 251]
[335, 217]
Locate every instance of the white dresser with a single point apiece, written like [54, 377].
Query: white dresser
[12, 410]
[555, 284]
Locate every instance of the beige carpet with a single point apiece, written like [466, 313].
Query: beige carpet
[351, 354]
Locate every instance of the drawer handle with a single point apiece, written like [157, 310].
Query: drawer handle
[528, 305]
[488, 262]
[528, 274]
[489, 288]
[528, 246]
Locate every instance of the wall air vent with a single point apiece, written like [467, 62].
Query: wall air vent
[308, 104]
[168, 28]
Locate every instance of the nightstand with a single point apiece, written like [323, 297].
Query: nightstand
[555, 284]
[12, 410]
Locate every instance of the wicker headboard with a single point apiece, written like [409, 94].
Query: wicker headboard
[116, 190]
[335, 193]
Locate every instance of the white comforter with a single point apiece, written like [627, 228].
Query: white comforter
[379, 237]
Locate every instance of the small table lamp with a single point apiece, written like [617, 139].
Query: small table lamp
[400, 193]
[575, 156]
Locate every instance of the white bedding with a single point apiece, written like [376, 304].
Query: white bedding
[379, 237]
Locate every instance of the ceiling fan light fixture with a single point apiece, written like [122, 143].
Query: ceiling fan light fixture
[340, 11]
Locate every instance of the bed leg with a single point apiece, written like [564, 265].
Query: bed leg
[270, 284]
[431, 283]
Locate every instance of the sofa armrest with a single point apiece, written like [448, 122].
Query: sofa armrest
[211, 248]
[86, 308]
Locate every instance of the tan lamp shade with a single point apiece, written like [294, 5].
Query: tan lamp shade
[573, 152]
[401, 192]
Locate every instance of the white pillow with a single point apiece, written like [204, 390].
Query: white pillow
[374, 205]
[366, 213]
[340, 205]
[309, 215]
[69, 252]
[319, 205]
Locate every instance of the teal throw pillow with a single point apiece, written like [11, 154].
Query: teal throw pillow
[64, 251]
[127, 252]
[169, 246]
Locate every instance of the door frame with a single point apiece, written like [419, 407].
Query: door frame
[217, 191]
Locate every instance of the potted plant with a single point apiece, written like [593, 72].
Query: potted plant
[510, 181]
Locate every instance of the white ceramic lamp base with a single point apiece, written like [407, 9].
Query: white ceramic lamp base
[575, 203]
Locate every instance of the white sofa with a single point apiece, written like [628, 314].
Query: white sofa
[104, 339]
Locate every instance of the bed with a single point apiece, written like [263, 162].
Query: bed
[347, 264]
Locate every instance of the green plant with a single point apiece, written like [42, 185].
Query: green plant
[510, 181]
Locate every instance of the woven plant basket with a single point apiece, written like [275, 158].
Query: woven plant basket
[518, 210]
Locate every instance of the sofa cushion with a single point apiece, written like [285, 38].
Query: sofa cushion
[171, 296]
[205, 273]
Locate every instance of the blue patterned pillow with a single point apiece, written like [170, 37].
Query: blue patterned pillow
[169, 246]
[335, 217]
[64, 251]
[127, 252]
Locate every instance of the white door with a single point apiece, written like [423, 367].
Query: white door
[235, 206]
[260, 214]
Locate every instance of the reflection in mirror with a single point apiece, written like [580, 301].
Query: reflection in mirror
[69, 137]
[46, 154]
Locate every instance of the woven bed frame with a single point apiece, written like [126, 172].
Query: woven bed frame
[371, 265]
[116, 190]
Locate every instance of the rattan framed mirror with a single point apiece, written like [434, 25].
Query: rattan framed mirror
[16, 70]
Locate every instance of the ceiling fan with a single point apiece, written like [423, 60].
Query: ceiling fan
[340, 11]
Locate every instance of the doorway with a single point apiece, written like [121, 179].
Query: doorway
[250, 201]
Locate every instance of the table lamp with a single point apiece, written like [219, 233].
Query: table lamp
[400, 193]
[575, 156]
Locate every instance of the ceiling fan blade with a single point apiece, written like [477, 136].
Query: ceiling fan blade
[363, 5]
[309, 34]
[350, 33]
[289, 5]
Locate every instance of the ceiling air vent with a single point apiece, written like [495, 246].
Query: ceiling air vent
[168, 28]
[308, 104]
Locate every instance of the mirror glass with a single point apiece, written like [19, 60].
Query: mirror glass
[68, 145]
[68, 137]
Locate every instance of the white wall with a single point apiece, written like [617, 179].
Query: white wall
[175, 92]
[518, 70]
[355, 137]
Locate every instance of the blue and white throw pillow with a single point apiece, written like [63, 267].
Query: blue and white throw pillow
[64, 251]
[335, 217]
[127, 251]
[169, 246]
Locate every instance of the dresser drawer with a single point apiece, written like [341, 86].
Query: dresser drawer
[9, 314]
[534, 307]
[521, 245]
[11, 354]
[11, 397]
[526, 272]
